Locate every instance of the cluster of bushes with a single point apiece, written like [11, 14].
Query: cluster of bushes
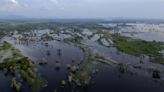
[23, 68]
[80, 76]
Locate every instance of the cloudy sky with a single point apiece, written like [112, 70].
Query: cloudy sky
[84, 8]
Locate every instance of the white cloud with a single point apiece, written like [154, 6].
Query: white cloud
[84, 8]
[57, 4]
[13, 1]
[9, 5]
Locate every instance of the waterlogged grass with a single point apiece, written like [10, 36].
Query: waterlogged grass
[139, 47]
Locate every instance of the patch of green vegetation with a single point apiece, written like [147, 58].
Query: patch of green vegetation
[136, 47]
[73, 68]
[37, 83]
[22, 67]
[157, 59]
[5, 46]
[71, 40]
[16, 85]
[67, 40]
[47, 37]
[82, 77]
[139, 47]
[2, 34]
[16, 55]
[75, 40]
[100, 59]
[63, 83]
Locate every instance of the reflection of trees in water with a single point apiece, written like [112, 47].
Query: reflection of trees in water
[43, 47]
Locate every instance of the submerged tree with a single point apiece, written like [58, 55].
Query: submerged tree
[122, 67]
[57, 64]
[59, 52]
[156, 74]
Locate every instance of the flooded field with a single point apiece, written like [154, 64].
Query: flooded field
[148, 36]
[73, 58]
[143, 32]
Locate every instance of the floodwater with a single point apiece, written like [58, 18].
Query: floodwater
[110, 79]
[148, 36]
[142, 34]
[119, 57]
[107, 79]
[37, 51]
